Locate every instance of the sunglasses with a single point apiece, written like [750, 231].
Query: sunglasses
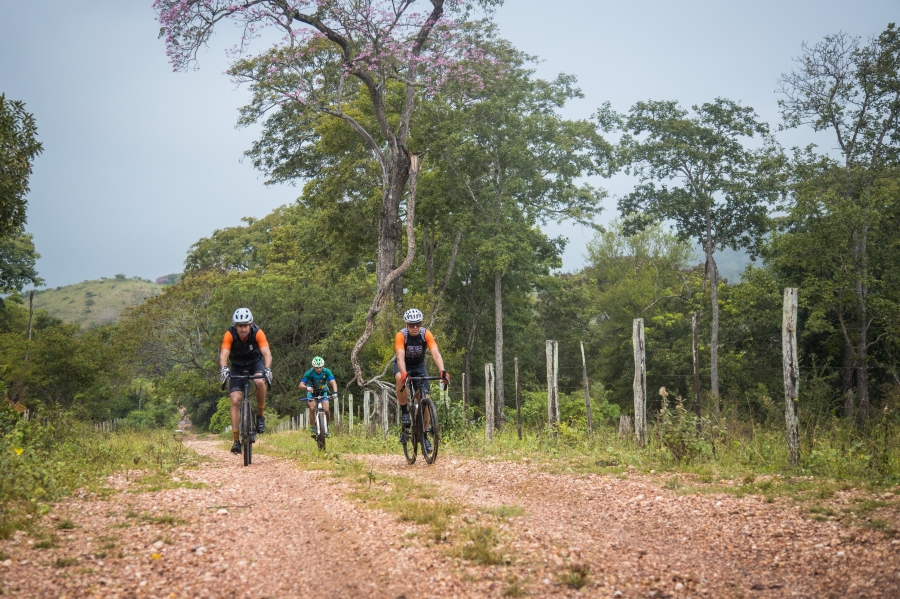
[413, 325]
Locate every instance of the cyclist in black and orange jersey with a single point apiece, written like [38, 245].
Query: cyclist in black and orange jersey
[410, 343]
[246, 346]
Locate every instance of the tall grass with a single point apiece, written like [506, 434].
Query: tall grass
[45, 460]
[832, 449]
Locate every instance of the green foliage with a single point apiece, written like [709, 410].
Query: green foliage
[18, 149]
[44, 460]
[222, 417]
[686, 436]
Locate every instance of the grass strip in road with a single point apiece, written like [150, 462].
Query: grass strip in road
[469, 536]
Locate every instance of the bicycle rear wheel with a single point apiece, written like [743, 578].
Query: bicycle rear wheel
[246, 440]
[321, 428]
[431, 433]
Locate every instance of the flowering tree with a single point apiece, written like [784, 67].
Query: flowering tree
[385, 46]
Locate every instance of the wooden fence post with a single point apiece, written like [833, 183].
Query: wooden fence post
[489, 402]
[350, 413]
[587, 393]
[552, 383]
[518, 405]
[791, 373]
[465, 420]
[640, 382]
[337, 409]
[367, 413]
[385, 422]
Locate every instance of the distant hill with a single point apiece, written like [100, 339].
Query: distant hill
[90, 303]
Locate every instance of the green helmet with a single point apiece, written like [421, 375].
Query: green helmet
[318, 362]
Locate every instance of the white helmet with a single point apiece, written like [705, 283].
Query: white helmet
[242, 316]
[413, 315]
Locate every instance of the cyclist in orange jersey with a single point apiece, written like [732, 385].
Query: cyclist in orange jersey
[410, 343]
[246, 346]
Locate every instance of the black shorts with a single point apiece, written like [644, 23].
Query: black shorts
[257, 367]
[418, 370]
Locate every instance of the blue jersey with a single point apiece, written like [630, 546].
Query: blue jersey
[318, 381]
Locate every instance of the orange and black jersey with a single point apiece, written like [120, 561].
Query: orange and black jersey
[413, 347]
[244, 352]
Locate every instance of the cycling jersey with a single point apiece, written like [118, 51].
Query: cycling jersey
[414, 346]
[318, 381]
[244, 352]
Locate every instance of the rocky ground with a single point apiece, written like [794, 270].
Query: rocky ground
[276, 530]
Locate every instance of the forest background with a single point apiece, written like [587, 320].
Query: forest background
[498, 161]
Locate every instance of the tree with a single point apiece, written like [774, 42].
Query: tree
[387, 50]
[853, 90]
[17, 262]
[18, 149]
[516, 161]
[698, 171]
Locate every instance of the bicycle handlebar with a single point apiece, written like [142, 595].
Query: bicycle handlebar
[423, 378]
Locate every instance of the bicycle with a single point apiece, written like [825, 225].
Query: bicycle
[418, 433]
[247, 427]
[321, 419]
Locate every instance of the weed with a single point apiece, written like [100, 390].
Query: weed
[822, 510]
[479, 545]
[577, 576]
[164, 519]
[674, 484]
[65, 562]
[100, 554]
[3, 556]
[514, 587]
[504, 512]
[65, 525]
[48, 543]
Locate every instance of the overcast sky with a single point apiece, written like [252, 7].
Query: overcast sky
[140, 162]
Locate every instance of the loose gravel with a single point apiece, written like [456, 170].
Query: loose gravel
[275, 530]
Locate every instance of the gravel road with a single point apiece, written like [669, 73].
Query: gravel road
[275, 530]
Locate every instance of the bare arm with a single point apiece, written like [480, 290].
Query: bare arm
[401, 360]
[438, 360]
[223, 357]
[267, 356]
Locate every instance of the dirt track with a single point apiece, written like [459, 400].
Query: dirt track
[250, 532]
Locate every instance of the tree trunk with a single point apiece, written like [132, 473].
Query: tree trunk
[695, 351]
[498, 348]
[714, 334]
[862, 331]
[847, 382]
[389, 221]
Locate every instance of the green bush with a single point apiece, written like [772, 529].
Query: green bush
[222, 416]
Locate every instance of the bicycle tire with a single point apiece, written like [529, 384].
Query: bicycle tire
[432, 433]
[246, 440]
[410, 436]
[321, 427]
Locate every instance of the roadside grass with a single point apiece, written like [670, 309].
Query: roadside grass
[44, 461]
[740, 460]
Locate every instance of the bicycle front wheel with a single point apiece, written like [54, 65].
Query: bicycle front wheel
[410, 436]
[246, 439]
[321, 428]
[430, 434]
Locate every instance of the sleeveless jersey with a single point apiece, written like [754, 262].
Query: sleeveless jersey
[414, 346]
[244, 353]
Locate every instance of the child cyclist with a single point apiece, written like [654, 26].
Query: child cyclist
[315, 382]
